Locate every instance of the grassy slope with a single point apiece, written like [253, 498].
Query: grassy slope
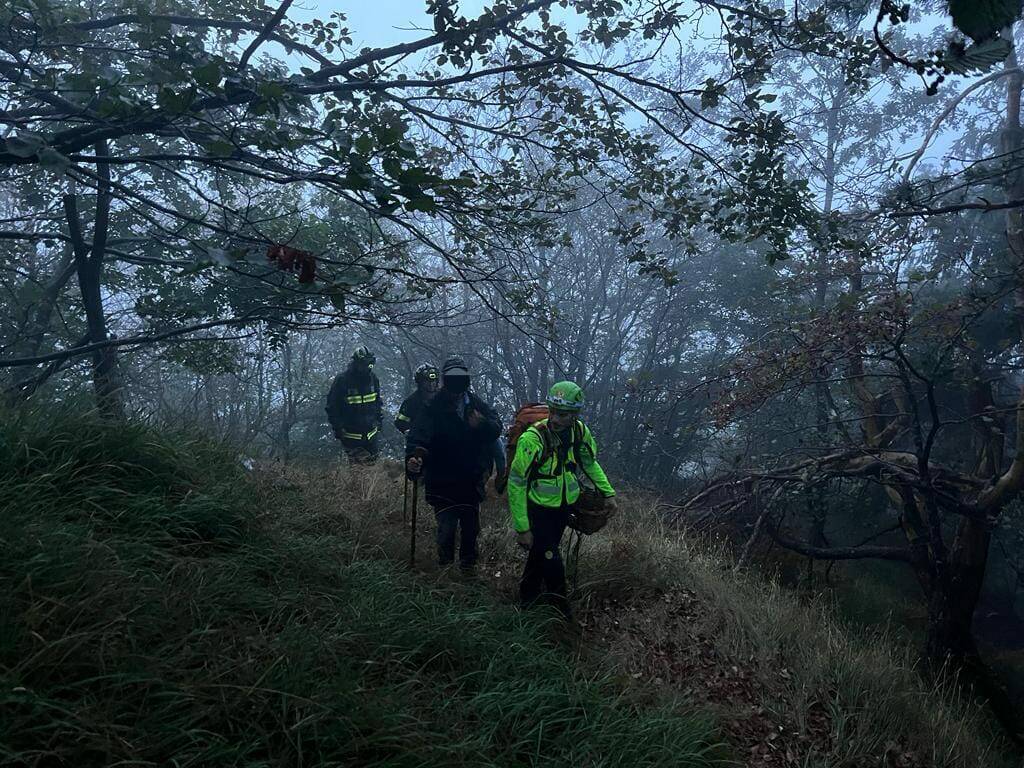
[836, 697]
[790, 683]
[149, 615]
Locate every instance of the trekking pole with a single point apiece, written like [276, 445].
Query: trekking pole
[412, 539]
[405, 500]
[419, 453]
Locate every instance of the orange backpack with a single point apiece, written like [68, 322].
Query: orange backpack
[526, 416]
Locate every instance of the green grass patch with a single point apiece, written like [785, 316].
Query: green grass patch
[148, 617]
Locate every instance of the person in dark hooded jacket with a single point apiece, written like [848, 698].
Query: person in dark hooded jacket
[451, 443]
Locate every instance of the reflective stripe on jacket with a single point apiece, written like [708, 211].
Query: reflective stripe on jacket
[354, 405]
[553, 482]
[359, 435]
[358, 399]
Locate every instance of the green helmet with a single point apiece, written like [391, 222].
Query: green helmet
[565, 395]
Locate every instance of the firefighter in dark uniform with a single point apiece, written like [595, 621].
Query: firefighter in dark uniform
[428, 380]
[354, 408]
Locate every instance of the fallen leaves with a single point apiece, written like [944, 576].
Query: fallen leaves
[662, 637]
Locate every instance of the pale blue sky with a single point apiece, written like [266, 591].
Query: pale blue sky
[375, 23]
[379, 22]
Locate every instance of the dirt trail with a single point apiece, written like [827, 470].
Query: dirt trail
[656, 638]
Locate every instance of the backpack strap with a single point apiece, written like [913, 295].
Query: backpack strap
[578, 446]
[579, 429]
[548, 449]
[545, 451]
[545, 438]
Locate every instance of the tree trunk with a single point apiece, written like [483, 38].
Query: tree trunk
[817, 501]
[1012, 144]
[950, 644]
[288, 406]
[89, 267]
[954, 599]
[28, 381]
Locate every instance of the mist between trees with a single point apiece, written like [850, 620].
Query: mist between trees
[779, 247]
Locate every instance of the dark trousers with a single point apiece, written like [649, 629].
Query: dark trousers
[544, 574]
[465, 517]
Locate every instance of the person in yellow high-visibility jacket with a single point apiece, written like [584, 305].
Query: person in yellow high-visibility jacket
[543, 489]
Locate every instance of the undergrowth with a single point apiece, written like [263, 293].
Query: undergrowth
[150, 616]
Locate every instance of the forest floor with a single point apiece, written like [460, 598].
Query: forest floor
[787, 683]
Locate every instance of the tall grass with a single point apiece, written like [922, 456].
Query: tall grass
[149, 617]
[868, 683]
[804, 658]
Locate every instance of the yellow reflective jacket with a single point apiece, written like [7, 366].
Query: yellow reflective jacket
[541, 477]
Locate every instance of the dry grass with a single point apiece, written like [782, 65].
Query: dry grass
[839, 697]
[879, 709]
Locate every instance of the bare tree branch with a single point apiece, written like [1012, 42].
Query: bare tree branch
[265, 33]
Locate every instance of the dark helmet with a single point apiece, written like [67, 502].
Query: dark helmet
[364, 356]
[427, 372]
